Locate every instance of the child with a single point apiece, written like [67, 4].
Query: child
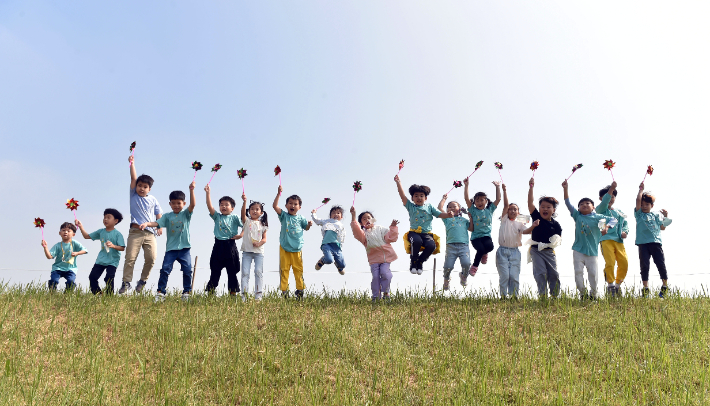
[333, 239]
[589, 227]
[510, 237]
[419, 237]
[377, 241]
[545, 237]
[255, 227]
[612, 243]
[64, 254]
[111, 246]
[481, 210]
[456, 241]
[144, 209]
[177, 225]
[224, 251]
[648, 239]
[291, 242]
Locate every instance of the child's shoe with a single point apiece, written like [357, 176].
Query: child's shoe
[139, 286]
[386, 296]
[664, 291]
[299, 294]
[420, 270]
[125, 288]
[446, 284]
[341, 271]
[284, 294]
[645, 292]
[610, 291]
[159, 297]
[463, 277]
[412, 267]
[319, 264]
[231, 293]
[473, 270]
[185, 297]
[484, 259]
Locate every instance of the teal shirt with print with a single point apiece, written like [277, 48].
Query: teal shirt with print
[63, 261]
[482, 220]
[586, 231]
[648, 227]
[456, 230]
[421, 216]
[177, 228]
[330, 237]
[613, 234]
[108, 256]
[226, 226]
[291, 237]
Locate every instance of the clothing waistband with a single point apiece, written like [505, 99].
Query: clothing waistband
[509, 248]
[225, 242]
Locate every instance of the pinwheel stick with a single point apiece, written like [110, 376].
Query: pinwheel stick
[42, 229]
[450, 190]
[534, 173]
[321, 205]
[612, 175]
[74, 213]
[211, 177]
[194, 176]
[570, 175]
[501, 176]
[243, 186]
[354, 194]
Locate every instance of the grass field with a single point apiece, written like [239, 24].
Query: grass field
[76, 349]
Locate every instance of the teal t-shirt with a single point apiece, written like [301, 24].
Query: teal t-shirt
[226, 226]
[456, 230]
[623, 225]
[108, 256]
[586, 231]
[330, 237]
[291, 237]
[63, 261]
[648, 227]
[482, 220]
[421, 216]
[177, 228]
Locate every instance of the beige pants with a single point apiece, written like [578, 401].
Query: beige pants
[138, 239]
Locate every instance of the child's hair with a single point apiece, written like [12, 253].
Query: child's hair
[482, 194]
[115, 213]
[514, 204]
[419, 189]
[549, 199]
[295, 197]
[69, 226]
[359, 217]
[177, 195]
[145, 179]
[229, 200]
[336, 208]
[585, 199]
[648, 197]
[606, 190]
[462, 210]
[263, 218]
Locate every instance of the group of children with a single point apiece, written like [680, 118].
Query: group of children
[601, 226]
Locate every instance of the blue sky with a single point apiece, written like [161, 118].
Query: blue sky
[338, 92]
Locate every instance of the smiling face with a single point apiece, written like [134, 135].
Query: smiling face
[336, 215]
[367, 221]
[513, 211]
[292, 206]
[586, 207]
[453, 207]
[546, 210]
[480, 202]
[255, 212]
[177, 205]
[225, 207]
[110, 221]
[66, 233]
[419, 198]
[142, 189]
[646, 206]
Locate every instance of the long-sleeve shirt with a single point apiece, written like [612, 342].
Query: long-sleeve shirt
[333, 230]
[623, 226]
[377, 241]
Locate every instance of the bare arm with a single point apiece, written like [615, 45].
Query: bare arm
[210, 208]
[497, 193]
[639, 196]
[191, 207]
[276, 201]
[402, 195]
[505, 200]
[465, 194]
[116, 247]
[77, 253]
[531, 199]
[470, 222]
[46, 250]
[149, 224]
[308, 227]
[81, 228]
[565, 186]
[134, 176]
[530, 229]
[441, 203]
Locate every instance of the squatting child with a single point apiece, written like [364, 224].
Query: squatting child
[64, 254]
[456, 241]
[111, 246]
[648, 239]
[333, 239]
[224, 251]
[545, 237]
[481, 209]
[612, 243]
[256, 224]
[291, 242]
[380, 254]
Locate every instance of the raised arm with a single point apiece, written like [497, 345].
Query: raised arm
[46, 250]
[465, 194]
[316, 219]
[134, 176]
[81, 228]
[191, 207]
[505, 200]
[244, 208]
[565, 186]
[402, 195]
[639, 196]
[497, 193]
[276, 201]
[531, 199]
[441, 203]
[210, 208]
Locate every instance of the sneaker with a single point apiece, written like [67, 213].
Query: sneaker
[645, 292]
[664, 292]
[185, 297]
[319, 264]
[412, 267]
[159, 297]
[232, 293]
[139, 286]
[484, 259]
[125, 288]
[386, 296]
[463, 277]
[341, 271]
[245, 297]
[299, 294]
[284, 294]
[611, 291]
[473, 270]
[420, 271]
[446, 284]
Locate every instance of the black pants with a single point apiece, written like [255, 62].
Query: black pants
[646, 251]
[96, 273]
[483, 246]
[419, 240]
[224, 255]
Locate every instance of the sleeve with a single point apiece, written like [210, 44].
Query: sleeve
[214, 215]
[468, 223]
[611, 221]
[358, 233]
[188, 214]
[54, 251]
[535, 215]
[239, 221]
[95, 235]
[624, 225]
[76, 247]
[304, 222]
[157, 210]
[666, 222]
[162, 222]
[316, 219]
[434, 211]
[282, 216]
[119, 240]
[637, 214]
[604, 205]
[409, 206]
[392, 235]
[492, 208]
[133, 191]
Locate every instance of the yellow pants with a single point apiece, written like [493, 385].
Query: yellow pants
[287, 260]
[614, 252]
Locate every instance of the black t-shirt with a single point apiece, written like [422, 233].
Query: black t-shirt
[546, 229]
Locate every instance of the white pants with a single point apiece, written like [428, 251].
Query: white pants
[580, 261]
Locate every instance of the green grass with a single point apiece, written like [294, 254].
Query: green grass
[76, 349]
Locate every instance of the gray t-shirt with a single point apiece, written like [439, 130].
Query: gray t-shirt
[144, 209]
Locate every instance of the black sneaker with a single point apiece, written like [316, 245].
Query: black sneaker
[645, 292]
[664, 291]
[611, 291]
[139, 286]
[284, 294]
[299, 294]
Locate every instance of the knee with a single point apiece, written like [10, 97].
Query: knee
[327, 259]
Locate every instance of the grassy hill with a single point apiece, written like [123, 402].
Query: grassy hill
[76, 349]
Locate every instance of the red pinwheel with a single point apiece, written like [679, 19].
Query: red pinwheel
[40, 223]
[277, 172]
[478, 165]
[73, 205]
[499, 166]
[325, 201]
[133, 151]
[196, 166]
[401, 165]
[649, 171]
[574, 169]
[214, 170]
[241, 174]
[457, 184]
[357, 186]
[608, 164]
[533, 167]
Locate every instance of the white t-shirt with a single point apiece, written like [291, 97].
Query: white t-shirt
[511, 233]
[253, 232]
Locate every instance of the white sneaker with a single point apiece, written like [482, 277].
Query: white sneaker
[420, 271]
[413, 271]
[244, 297]
[185, 297]
[159, 297]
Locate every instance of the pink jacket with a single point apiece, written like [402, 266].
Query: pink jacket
[377, 242]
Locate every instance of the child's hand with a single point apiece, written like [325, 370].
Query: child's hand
[444, 197]
[313, 211]
[143, 226]
[109, 244]
[207, 188]
[396, 179]
[159, 232]
[352, 210]
[75, 253]
[394, 223]
[310, 223]
[130, 159]
[451, 214]
[535, 223]
[244, 198]
[623, 234]
[564, 184]
[192, 185]
[664, 212]
[641, 186]
[78, 223]
[531, 182]
[496, 183]
[605, 230]
[613, 184]
[503, 186]
[280, 190]
[44, 243]
[465, 181]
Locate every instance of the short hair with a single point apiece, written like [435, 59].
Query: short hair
[514, 204]
[177, 195]
[606, 190]
[482, 194]
[359, 217]
[115, 213]
[585, 199]
[228, 199]
[145, 179]
[295, 197]
[336, 208]
[419, 189]
[68, 225]
[648, 198]
[549, 199]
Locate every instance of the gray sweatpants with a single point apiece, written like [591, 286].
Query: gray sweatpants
[545, 271]
[580, 262]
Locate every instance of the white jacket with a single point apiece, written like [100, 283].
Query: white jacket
[331, 225]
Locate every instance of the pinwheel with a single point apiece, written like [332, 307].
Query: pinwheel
[325, 201]
[214, 170]
[133, 151]
[478, 165]
[401, 165]
[357, 186]
[73, 205]
[196, 166]
[608, 164]
[499, 166]
[649, 171]
[242, 173]
[533, 167]
[277, 172]
[40, 223]
[457, 184]
[574, 169]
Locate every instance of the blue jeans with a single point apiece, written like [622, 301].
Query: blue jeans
[258, 259]
[456, 251]
[183, 257]
[70, 276]
[508, 264]
[331, 253]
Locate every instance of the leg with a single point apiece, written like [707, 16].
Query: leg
[216, 264]
[660, 260]
[478, 246]
[297, 263]
[258, 276]
[578, 262]
[592, 268]
[464, 255]
[449, 260]
[539, 271]
[247, 259]
[609, 254]
[385, 277]
[375, 284]
[284, 267]
[185, 260]
[623, 263]
[94, 276]
[338, 257]
[503, 266]
[168, 260]
[415, 239]
[327, 253]
[133, 247]
[53, 280]
[514, 273]
[70, 277]
[645, 261]
[109, 278]
[150, 251]
[232, 265]
[429, 247]
[553, 277]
